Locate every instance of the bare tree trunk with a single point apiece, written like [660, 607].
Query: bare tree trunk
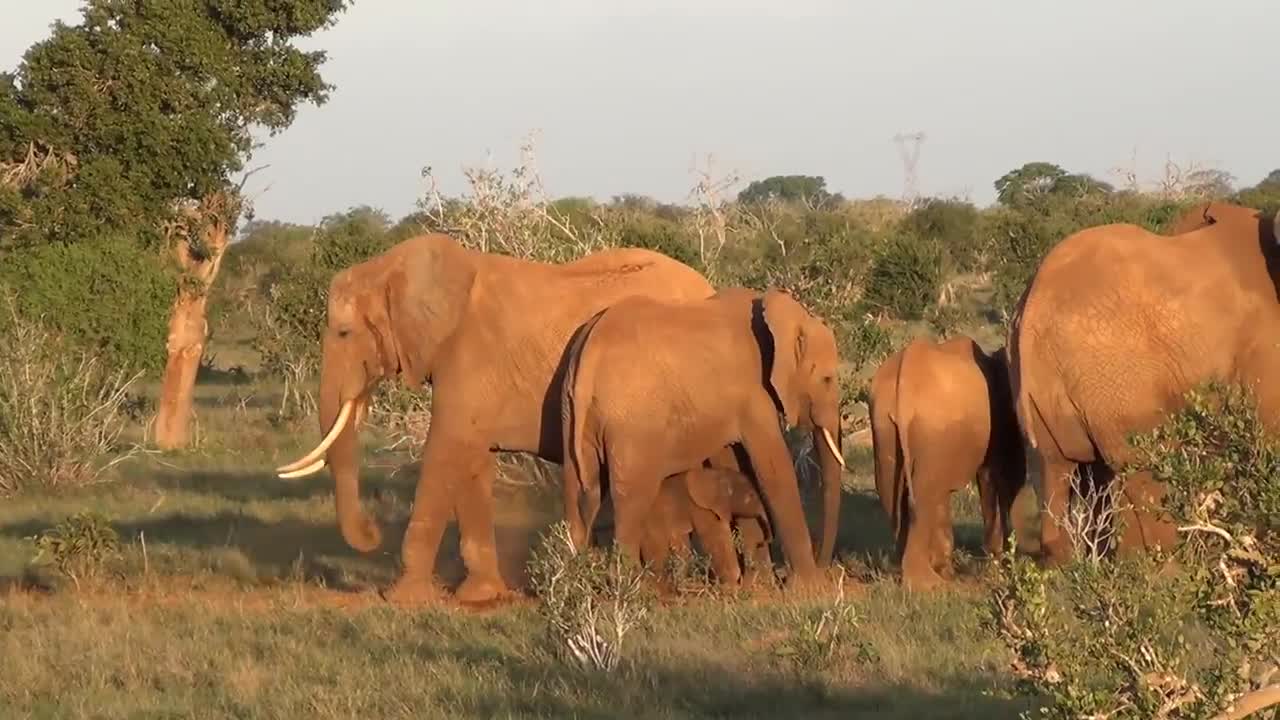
[188, 329]
[188, 325]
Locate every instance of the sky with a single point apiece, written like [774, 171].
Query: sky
[625, 95]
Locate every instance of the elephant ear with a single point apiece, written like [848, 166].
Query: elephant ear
[427, 293]
[709, 491]
[787, 321]
[1275, 228]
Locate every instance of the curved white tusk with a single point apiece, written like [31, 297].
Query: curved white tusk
[318, 453]
[311, 469]
[362, 409]
[831, 444]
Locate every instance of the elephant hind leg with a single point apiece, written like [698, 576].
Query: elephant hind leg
[634, 490]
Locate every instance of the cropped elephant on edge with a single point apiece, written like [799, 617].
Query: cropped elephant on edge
[711, 501]
[654, 388]
[488, 333]
[1115, 326]
[941, 416]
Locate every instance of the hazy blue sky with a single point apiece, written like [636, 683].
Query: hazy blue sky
[625, 92]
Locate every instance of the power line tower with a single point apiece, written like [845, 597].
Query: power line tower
[910, 157]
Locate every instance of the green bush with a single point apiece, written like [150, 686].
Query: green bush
[108, 295]
[906, 276]
[954, 224]
[78, 547]
[654, 233]
[348, 238]
[1138, 638]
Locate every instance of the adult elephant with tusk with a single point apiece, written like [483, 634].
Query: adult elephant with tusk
[641, 406]
[488, 333]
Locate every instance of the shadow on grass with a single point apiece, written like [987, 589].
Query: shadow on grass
[687, 689]
[236, 375]
[275, 543]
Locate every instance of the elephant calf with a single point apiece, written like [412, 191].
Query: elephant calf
[709, 501]
[941, 415]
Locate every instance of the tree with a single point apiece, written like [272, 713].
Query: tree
[1032, 179]
[133, 123]
[1037, 180]
[810, 190]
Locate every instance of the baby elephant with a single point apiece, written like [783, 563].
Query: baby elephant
[941, 415]
[709, 501]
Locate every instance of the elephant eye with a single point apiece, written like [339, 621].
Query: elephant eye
[343, 333]
[827, 379]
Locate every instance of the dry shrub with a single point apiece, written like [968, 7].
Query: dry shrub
[62, 410]
[590, 599]
[511, 214]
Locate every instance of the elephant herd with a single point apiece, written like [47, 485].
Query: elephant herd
[669, 396]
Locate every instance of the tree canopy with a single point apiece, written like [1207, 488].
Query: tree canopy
[807, 189]
[115, 123]
[1036, 180]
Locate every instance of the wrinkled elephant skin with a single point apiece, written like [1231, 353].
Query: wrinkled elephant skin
[488, 333]
[1114, 328]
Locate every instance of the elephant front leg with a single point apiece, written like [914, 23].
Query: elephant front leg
[772, 461]
[477, 533]
[717, 539]
[755, 550]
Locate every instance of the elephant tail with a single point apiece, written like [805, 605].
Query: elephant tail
[1015, 343]
[574, 401]
[902, 479]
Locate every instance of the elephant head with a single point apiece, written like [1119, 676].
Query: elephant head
[804, 377]
[387, 317]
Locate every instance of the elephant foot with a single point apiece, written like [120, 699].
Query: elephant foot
[409, 591]
[922, 581]
[806, 584]
[478, 589]
[1054, 555]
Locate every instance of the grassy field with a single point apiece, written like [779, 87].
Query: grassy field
[235, 596]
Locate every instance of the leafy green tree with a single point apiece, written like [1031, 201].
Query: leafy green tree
[1264, 196]
[810, 190]
[133, 123]
[1037, 180]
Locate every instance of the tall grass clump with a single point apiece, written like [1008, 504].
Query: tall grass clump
[62, 409]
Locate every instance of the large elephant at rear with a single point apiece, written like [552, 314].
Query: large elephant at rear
[1116, 325]
[655, 388]
[488, 333]
[941, 418]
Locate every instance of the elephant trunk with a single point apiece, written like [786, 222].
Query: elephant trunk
[358, 529]
[826, 442]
